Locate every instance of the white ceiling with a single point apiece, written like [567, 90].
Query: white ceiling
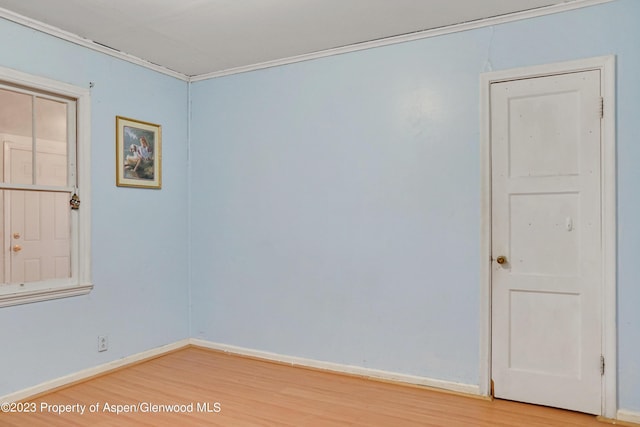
[196, 37]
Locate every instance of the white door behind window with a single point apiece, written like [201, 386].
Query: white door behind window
[39, 226]
[546, 303]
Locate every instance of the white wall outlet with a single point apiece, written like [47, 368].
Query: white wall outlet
[103, 343]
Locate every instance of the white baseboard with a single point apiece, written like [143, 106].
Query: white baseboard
[91, 372]
[290, 360]
[622, 415]
[340, 368]
[629, 416]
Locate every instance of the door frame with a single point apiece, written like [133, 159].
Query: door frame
[606, 65]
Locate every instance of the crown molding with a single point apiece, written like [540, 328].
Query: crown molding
[81, 41]
[465, 26]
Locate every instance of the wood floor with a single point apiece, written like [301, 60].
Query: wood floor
[212, 388]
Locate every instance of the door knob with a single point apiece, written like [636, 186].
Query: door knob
[501, 259]
[17, 248]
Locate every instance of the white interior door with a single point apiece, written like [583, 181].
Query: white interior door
[39, 226]
[546, 224]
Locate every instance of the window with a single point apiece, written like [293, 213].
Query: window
[44, 162]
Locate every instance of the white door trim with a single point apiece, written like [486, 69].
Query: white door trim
[606, 65]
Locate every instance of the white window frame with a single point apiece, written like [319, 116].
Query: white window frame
[80, 281]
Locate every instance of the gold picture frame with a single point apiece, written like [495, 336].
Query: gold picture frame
[138, 153]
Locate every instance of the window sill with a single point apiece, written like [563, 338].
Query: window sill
[9, 297]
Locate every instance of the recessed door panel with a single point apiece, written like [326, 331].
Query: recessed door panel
[549, 221]
[545, 333]
[544, 150]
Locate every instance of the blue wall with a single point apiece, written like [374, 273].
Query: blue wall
[335, 202]
[139, 248]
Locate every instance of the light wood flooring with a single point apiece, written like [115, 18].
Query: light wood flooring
[250, 392]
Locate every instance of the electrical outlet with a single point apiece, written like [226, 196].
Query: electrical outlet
[103, 343]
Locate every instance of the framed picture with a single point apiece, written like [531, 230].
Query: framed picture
[138, 154]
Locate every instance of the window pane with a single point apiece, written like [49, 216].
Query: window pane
[39, 236]
[51, 144]
[16, 132]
